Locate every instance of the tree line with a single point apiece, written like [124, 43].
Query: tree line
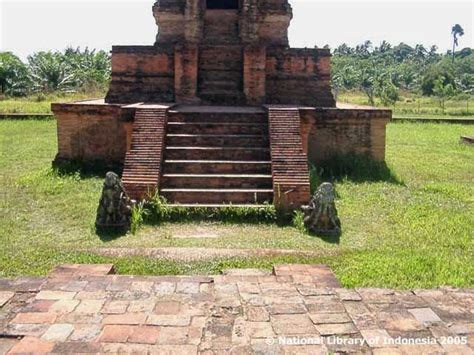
[71, 70]
[384, 71]
[381, 71]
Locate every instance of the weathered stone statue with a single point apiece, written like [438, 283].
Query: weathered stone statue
[115, 207]
[320, 217]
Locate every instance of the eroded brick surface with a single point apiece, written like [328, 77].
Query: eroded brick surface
[295, 312]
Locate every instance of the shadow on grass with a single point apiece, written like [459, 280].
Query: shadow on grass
[330, 239]
[110, 234]
[352, 167]
[87, 170]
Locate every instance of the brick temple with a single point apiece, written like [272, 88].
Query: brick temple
[219, 110]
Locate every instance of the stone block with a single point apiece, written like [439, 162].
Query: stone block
[34, 318]
[116, 333]
[127, 318]
[30, 345]
[58, 332]
[5, 296]
[145, 335]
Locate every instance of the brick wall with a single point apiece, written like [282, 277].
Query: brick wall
[298, 77]
[142, 74]
[91, 133]
[186, 73]
[254, 74]
[327, 132]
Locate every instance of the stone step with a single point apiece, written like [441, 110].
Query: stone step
[211, 196]
[217, 153]
[229, 181]
[219, 117]
[218, 205]
[216, 167]
[249, 141]
[220, 85]
[231, 98]
[217, 128]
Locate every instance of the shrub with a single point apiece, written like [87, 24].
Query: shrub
[14, 80]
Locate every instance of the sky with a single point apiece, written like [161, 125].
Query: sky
[27, 26]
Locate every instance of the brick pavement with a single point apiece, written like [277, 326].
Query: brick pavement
[299, 309]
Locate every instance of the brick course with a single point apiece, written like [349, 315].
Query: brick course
[289, 162]
[142, 169]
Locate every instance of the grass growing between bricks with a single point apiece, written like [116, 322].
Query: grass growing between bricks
[411, 228]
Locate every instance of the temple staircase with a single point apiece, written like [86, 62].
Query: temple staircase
[215, 158]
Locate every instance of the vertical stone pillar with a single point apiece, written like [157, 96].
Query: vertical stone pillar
[248, 26]
[186, 73]
[254, 74]
[194, 20]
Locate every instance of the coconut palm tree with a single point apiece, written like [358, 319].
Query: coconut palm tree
[456, 31]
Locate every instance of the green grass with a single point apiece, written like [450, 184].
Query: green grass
[411, 105]
[41, 103]
[411, 226]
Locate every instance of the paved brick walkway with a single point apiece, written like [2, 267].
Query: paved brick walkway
[298, 309]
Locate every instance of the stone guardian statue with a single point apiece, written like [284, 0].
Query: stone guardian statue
[320, 216]
[115, 207]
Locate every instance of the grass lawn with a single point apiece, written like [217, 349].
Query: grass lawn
[41, 103]
[411, 105]
[418, 233]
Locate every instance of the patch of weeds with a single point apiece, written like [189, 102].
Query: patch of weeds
[160, 211]
[298, 221]
[138, 216]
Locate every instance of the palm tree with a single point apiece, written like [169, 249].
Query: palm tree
[456, 31]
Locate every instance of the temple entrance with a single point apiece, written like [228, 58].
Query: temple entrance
[222, 4]
[220, 76]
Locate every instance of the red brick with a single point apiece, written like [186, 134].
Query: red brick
[145, 335]
[33, 346]
[40, 306]
[116, 333]
[34, 318]
[167, 307]
[173, 335]
[127, 318]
